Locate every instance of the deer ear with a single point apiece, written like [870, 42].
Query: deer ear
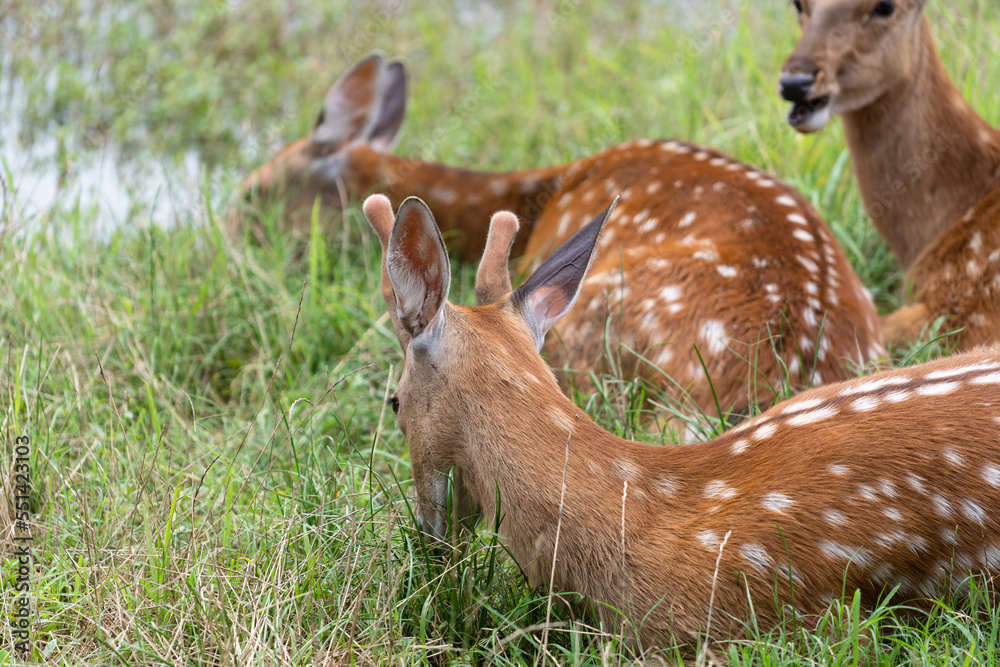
[366, 104]
[552, 289]
[493, 276]
[385, 132]
[351, 104]
[417, 267]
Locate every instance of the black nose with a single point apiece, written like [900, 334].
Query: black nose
[796, 87]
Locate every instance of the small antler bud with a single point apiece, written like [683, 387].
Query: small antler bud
[493, 277]
[378, 211]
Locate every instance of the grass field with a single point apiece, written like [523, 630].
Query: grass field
[216, 480]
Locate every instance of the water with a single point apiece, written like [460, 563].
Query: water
[143, 189]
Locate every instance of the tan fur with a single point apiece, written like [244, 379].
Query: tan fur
[762, 288]
[893, 478]
[923, 157]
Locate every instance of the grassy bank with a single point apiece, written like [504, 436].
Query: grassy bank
[216, 478]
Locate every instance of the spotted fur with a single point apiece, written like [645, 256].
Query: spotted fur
[811, 498]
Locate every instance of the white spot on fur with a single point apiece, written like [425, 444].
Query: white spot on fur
[563, 421]
[835, 517]
[719, 489]
[625, 469]
[671, 293]
[865, 404]
[727, 271]
[866, 386]
[708, 539]
[564, 221]
[687, 219]
[799, 406]
[498, 188]
[653, 187]
[976, 241]
[649, 225]
[835, 551]
[739, 446]
[941, 506]
[444, 195]
[992, 378]
[952, 456]
[897, 396]
[756, 556]
[867, 493]
[803, 235]
[764, 431]
[776, 502]
[893, 514]
[713, 333]
[797, 219]
[974, 511]
[665, 485]
[991, 474]
[915, 482]
[807, 263]
[812, 417]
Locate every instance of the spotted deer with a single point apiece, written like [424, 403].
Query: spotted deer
[869, 484]
[928, 166]
[715, 281]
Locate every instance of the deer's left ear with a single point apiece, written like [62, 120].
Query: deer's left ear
[552, 289]
[417, 266]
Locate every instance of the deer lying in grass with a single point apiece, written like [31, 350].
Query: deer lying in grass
[927, 165]
[893, 479]
[703, 251]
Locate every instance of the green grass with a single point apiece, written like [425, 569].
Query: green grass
[216, 478]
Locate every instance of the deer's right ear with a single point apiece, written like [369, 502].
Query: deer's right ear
[367, 103]
[552, 289]
[392, 108]
[416, 264]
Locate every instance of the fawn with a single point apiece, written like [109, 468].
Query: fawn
[710, 269]
[888, 480]
[928, 166]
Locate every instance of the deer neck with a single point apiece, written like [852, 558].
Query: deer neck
[922, 156]
[519, 461]
[462, 200]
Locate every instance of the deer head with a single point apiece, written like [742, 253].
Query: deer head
[851, 53]
[442, 388]
[365, 107]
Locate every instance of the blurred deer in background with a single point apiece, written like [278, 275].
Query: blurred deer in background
[889, 480]
[928, 166]
[709, 268]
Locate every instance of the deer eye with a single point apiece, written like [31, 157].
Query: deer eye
[884, 8]
[798, 5]
[393, 402]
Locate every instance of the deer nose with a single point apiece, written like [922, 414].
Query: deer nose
[796, 87]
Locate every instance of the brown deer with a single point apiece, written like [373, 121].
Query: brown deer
[928, 166]
[710, 268]
[889, 480]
